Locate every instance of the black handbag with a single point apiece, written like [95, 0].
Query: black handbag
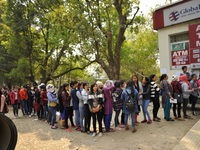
[178, 96]
[129, 103]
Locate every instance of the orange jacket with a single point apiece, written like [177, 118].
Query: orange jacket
[23, 94]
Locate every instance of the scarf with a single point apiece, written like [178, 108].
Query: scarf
[174, 78]
[183, 78]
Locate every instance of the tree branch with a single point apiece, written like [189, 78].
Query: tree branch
[76, 68]
[131, 22]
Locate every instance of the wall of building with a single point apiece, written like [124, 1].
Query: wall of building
[164, 45]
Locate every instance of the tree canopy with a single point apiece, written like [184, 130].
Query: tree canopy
[43, 40]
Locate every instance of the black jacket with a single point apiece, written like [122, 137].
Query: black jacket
[146, 92]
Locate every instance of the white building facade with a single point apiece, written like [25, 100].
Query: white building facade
[178, 27]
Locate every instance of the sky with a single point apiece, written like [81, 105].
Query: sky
[145, 5]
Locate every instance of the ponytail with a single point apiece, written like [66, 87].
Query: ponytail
[162, 77]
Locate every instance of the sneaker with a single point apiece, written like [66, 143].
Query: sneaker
[101, 134]
[143, 121]
[68, 130]
[29, 116]
[94, 134]
[194, 113]
[77, 129]
[121, 126]
[149, 121]
[73, 126]
[88, 132]
[53, 127]
[15, 116]
[118, 128]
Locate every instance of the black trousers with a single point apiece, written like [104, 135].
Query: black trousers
[71, 115]
[178, 110]
[122, 117]
[87, 115]
[156, 106]
[68, 115]
[185, 103]
[98, 116]
[49, 115]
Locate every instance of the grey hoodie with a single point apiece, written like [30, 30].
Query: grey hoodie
[185, 90]
[195, 88]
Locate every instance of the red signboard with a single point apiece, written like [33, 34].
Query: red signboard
[180, 58]
[194, 35]
[195, 55]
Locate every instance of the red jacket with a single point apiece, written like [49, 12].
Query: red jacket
[23, 95]
[12, 97]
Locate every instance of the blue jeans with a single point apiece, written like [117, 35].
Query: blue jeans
[53, 112]
[194, 101]
[117, 112]
[15, 108]
[81, 113]
[145, 104]
[24, 107]
[77, 118]
[45, 112]
[167, 109]
[108, 118]
[132, 118]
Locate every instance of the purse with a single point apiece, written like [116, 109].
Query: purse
[178, 96]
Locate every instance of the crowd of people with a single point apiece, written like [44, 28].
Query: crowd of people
[97, 102]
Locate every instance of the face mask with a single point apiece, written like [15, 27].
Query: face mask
[125, 86]
[101, 88]
[15, 90]
[32, 88]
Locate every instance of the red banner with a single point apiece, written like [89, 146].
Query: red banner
[194, 35]
[180, 58]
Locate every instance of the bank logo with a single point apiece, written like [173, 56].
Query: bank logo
[174, 16]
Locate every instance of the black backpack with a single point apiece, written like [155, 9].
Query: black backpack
[129, 103]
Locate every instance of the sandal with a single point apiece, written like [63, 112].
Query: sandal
[180, 119]
[187, 117]
[134, 130]
[156, 119]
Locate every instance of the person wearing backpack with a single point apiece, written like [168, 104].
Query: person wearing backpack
[130, 97]
[194, 95]
[146, 99]
[117, 104]
[177, 94]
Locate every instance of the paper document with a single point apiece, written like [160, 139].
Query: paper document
[173, 101]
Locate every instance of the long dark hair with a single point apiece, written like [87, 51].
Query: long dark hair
[129, 84]
[92, 86]
[79, 85]
[117, 85]
[151, 77]
[147, 79]
[138, 88]
[64, 86]
[163, 76]
[72, 84]
[84, 84]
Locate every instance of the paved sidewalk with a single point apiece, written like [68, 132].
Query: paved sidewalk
[191, 141]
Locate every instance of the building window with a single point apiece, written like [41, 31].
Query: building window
[179, 46]
[179, 37]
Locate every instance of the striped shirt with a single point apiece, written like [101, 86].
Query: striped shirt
[154, 89]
